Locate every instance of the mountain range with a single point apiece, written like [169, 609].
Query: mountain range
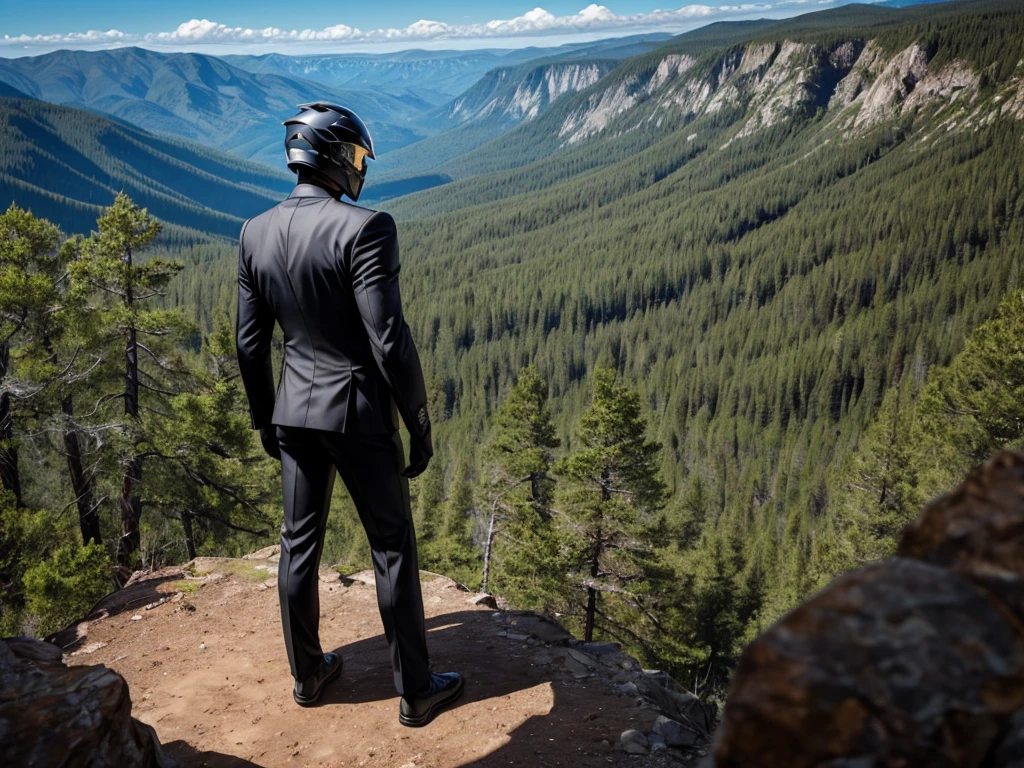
[66, 164]
[440, 75]
[201, 98]
[776, 233]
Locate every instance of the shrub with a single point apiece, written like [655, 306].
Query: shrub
[65, 585]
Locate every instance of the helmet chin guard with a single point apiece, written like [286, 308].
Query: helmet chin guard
[333, 142]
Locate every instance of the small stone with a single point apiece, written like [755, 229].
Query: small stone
[136, 617]
[675, 734]
[633, 742]
[517, 636]
[629, 689]
[656, 743]
[483, 599]
[597, 649]
[576, 669]
[582, 658]
[202, 646]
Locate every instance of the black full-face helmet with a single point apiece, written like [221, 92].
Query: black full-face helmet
[332, 141]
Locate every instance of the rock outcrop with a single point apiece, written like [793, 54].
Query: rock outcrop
[914, 661]
[856, 83]
[200, 645]
[54, 715]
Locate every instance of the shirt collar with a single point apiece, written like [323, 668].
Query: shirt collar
[309, 190]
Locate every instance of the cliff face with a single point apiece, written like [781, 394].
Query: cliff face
[854, 82]
[520, 94]
[201, 650]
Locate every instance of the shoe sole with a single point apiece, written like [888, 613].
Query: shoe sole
[307, 701]
[426, 717]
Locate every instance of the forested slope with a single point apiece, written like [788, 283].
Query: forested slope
[764, 266]
[201, 98]
[787, 242]
[66, 164]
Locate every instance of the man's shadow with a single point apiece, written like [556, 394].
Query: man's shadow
[493, 667]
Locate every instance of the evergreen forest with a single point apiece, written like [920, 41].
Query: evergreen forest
[682, 372]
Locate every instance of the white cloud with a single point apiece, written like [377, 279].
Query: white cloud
[537, 22]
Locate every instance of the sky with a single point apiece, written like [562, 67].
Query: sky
[322, 26]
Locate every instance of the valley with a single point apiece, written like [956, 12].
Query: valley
[797, 242]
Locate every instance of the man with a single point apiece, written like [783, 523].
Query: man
[327, 271]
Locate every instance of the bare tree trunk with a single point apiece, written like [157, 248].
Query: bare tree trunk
[81, 484]
[190, 542]
[9, 474]
[489, 545]
[588, 632]
[595, 561]
[130, 501]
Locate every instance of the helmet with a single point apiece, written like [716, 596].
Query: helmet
[332, 141]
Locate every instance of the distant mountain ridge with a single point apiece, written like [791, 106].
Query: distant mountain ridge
[500, 100]
[65, 164]
[200, 98]
[437, 74]
[728, 81]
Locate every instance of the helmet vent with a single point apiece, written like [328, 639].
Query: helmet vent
[298, 141]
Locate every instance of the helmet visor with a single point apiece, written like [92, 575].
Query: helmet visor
[353, 153]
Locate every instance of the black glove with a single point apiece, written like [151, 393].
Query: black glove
[420, 451]
[268, 436]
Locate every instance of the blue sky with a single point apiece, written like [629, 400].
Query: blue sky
[261, 26]
[34, 18]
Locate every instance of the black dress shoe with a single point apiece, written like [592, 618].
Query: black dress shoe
[307, 692]
[420, 709]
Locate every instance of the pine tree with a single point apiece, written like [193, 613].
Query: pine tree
[110, 273]
[518, 486]
[32, 263]
[882, 487]
[450, 549]
[609, 488]
[51, 330]
[211, 476]
[976, 405]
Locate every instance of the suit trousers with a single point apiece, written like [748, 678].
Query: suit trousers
[371, 467]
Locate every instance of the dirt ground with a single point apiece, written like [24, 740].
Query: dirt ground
[207, 669]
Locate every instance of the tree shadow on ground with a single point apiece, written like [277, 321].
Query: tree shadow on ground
[131, 598]
[187, 756]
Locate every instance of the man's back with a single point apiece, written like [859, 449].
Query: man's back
[328, 272]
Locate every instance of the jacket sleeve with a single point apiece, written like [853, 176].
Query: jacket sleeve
[374, 271]
[254, 327]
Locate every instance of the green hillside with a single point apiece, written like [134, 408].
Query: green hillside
[764, 283]
[787, 240]
[66, 164]
[202, 98]
[975, 30]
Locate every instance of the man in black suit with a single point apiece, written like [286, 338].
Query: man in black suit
[327, 271]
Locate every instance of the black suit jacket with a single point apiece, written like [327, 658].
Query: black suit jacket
[327, 271]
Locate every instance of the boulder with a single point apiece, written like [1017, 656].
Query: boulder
[675, 734]
[68, 716]
[917, 660]
[656, 743]
[675, 702]
[633, 742]
[977, 530]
